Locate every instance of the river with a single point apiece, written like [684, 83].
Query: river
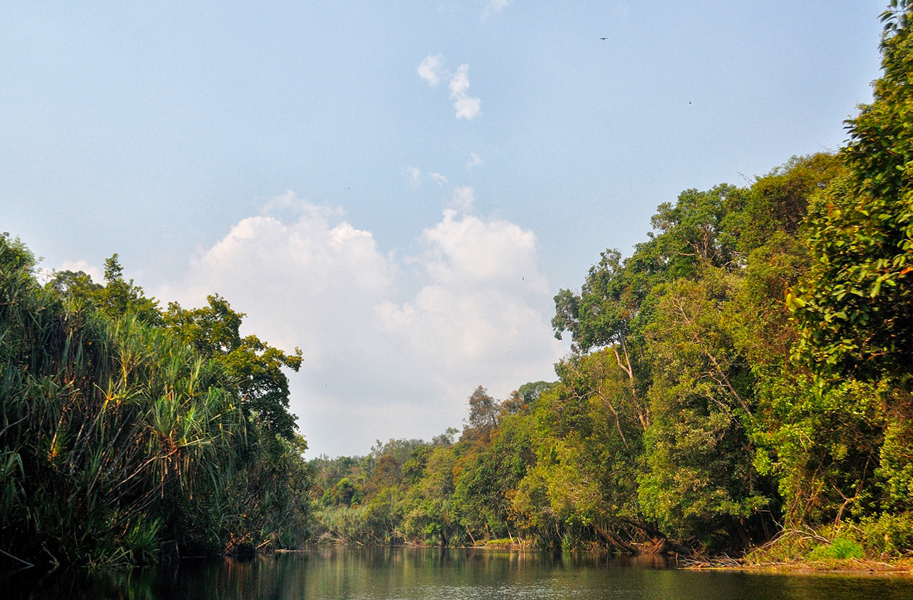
[434, 574]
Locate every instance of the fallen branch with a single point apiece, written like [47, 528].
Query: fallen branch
[17, 559]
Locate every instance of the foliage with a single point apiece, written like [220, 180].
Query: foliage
[116, 299]
[601, 314]
[777, 203]
[824, 446]
[699, 478]
[679, 420]
[485, 480]
[856, 304]
[886, 535]
[116, 438]
[839, 548]
[214, 331]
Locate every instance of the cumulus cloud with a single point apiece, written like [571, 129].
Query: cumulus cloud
[492, 255]
[431, 69]
[466, 107]
[69, 265]
[438, 179]
[463, 198]
[473, 319]
[392, 346]
[474, 161]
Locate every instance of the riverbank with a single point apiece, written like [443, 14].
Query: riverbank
[796, 565]
[843, 566]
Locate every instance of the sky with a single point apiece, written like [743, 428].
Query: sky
[399, 188]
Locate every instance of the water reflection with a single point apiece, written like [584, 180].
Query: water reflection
[406, 573]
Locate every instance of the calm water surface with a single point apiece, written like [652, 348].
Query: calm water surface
[433, 574]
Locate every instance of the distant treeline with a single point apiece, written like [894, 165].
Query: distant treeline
[128, 432]
[744, 377]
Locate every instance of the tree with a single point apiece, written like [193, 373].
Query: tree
[856, 305]
[214, 331]
[693, 234]
[114, 437]
[896, 17]
[606, 311]
[116, 299]
[700, 480]
[777, 203]
[532, 390]
[483, 416]
[428, 510]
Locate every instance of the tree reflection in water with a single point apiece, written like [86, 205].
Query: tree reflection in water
[436, 574]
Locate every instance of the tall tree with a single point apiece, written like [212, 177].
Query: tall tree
[856, 306]
[700, 480]
[483, 416]
[117, 298]
[214, 331]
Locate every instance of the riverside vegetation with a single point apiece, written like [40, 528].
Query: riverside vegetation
[127, 432]
[743, 379]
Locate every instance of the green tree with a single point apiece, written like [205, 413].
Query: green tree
[483, 416]
[214, 331]
[588, 443]
[605, 314]
[117, 298]
[486, 479]
[109, 430]
[777, 203]
[428, 514]
[700, 478]
[692, 231]
[856, 305]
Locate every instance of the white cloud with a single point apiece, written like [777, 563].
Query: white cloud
[459, 83]
[415, 176]
[463, 198]
[470, 251]
[284, 275]
[474, 161]
[438, 179]
[431, 69]
[494, 7]
[279, 203]
[92, 271]
[392, 347]
[466, 107]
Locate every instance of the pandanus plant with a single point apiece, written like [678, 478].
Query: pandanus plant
[108, 431]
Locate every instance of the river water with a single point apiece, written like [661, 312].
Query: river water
[434, 574]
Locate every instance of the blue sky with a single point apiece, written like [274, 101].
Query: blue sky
[399, 188]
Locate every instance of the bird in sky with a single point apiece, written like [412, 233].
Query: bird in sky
[603, 39]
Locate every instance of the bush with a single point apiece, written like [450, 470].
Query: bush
[839, 548]
[887, 535]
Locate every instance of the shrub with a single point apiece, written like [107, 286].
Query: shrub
[839, 548]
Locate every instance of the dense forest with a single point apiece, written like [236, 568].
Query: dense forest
[744, 379]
